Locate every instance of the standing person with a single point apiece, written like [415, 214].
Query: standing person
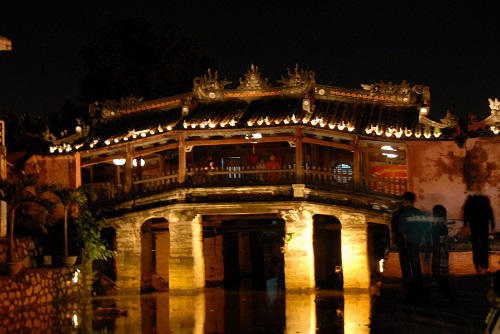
[441, 248]
[210, 165]
[261, 165]
[210, 168]
[272, 164]
[412, 227]
[478, 214]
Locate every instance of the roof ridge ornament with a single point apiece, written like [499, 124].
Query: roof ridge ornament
[253, 80]
[111, 108]
[404, 92]
[494, 104]
[208, 86]
[298, 83]
[389, 88]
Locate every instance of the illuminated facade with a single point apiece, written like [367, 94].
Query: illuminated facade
[343, 158]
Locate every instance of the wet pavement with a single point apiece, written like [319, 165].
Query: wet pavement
[464, 313]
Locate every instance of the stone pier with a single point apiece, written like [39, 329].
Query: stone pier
[187, 263]
[299, 252]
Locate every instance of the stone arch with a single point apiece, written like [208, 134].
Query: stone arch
[155, 253]
[327, 252]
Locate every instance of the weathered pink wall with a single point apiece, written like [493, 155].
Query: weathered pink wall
[445, 173]
[55, 169]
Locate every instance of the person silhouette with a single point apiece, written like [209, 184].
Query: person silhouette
[411, 228]
[478, 215]
[441, 248]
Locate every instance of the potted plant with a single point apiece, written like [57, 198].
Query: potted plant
[71, 199]
[18, 191]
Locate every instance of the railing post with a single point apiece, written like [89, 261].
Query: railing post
[299, 159]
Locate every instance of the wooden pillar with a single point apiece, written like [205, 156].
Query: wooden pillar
[78, 170]
[187, 262]
[356, 169]
[299, 251]
[355, 265]
[127, 186]
[182, 159]
[299, 157]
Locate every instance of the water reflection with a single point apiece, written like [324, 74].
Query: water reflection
[220, 311]
[251, 306]
[214, 311]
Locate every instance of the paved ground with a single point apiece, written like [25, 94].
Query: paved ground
[464, 314]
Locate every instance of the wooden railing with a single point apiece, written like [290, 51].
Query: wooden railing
[326, 179]
[390, 185]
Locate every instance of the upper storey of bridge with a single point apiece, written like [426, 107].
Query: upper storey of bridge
[379, 110]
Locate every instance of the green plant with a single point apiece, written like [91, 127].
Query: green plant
[71, 199]
[288, 237]
[88, 235]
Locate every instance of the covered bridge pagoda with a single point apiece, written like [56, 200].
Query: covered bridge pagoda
[183, 170]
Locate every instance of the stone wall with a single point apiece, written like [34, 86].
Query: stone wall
[38, 300]
[25, 250]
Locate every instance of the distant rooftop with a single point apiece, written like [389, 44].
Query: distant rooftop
[5, 44]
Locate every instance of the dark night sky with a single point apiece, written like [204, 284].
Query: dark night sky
[452, 48]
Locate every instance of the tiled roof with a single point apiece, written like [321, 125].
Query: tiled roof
[378, 109]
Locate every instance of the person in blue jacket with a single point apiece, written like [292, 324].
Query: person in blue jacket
[413, 227]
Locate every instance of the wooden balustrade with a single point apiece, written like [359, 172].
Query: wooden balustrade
[319, 178]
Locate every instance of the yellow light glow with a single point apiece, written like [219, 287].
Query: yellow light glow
[75, 276]
[424, 110]
[74, 320]
[119, 162]
[134, 162]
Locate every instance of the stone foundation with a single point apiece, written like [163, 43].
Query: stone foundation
[25, 251]
[38, 300]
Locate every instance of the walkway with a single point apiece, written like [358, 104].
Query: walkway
[465, 314]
